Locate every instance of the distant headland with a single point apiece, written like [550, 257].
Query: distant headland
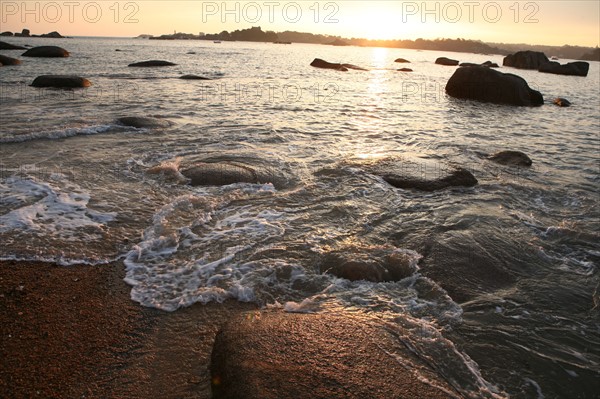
[256, 34]
[27, 33]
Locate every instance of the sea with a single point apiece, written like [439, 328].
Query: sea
[503, 299]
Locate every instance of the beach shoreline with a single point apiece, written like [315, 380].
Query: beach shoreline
[74, 332]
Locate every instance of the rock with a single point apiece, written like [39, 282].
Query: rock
[490, 64]
[319, 63]
[446, 61]
[457, 178]
[142, 122]
[405, 70]
[194, 77]
[561, 102]
[46, 51]
[4, 60]
[375, 264]
[274, 355]
[219, 174]
[60, 81]
[487, 85]
[578, 68]
[191, 52]
[468, 64]
[24, 33]
[511, 158]
[152, 63]
[525, 60]
[54, 35]
[8, 46]
[7, 33]
[402, 60]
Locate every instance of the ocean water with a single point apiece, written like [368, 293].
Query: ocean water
[504, 296]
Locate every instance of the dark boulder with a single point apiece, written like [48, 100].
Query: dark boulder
[152, 63]
[46, 51]
[24, 33]
[4, 60]
[405, 70]
[142, 122]
[561, 102]
[54, 35]
[219, 174]
[446, 61]
[456, 178]
[194, 77]
[487, 85]
[402, 60]
[7, 33]
[275, 355]
[319, 63]
[511, 158]
[8, 46]
[490, 64]
[468, 64]
[525, 60]
[60, 81]
[578, 68]
[375, 264]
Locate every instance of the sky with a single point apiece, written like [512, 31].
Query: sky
[531, 22]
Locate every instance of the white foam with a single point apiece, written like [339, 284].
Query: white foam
[57, 134]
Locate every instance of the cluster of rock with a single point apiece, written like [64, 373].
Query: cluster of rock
[538, 61]
[27, 33]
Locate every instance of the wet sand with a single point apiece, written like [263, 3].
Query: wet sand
[74, 332]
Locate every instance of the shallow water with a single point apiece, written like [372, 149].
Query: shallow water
[507, 282]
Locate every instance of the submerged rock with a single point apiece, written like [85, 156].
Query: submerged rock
[375, 264]
[220, 174]
[194, 77]
[61, 81]
[457, 178]
[402, 60]
[561, 102]
[405, 70]
[144, 122]
[152, 63]
[525, 60]
[578, 68]
[8, 46]
[46, 52]
[319, 63]
[274, 355]
[4, 60]
[446, 61]
[511, 158]
[487, 85]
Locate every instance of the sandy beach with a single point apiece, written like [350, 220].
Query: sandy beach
[74, 332]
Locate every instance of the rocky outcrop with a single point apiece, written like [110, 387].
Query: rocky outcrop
[7, 33]
[274, 355]
[488, 64]
[561, 102]
[8, 46]
[375, 264]
[60, 81]
[525, 60]
[511, 158]
[578, 68]
[405, 70]
[220, 174]
[53, 35]
[152, 63]
[24, 33]
[446, 61]
[194, 77]
[402, 60]
[46, 51]
[487, 85]
[319, 63]
[4, 60]
[143, 122]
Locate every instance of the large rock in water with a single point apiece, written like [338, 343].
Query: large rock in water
[487, 85]
[8, 46]
[152, 63]
[578, 68]
[60, 81]
[143, 122]
[375, 264]
[275, 355]
[446, 61]
[319, 63]
[511, 158]
[525, 60]
[46, 51]
[220, 174]
[4, 60]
